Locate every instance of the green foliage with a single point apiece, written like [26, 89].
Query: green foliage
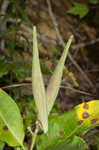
[56, 107]
[79, 9]
[2, 144]
[45, 70]
[5, 32]
[76, 143]
[93, 1]
[17, 10]
[11, 124]
[28, 111]
[18, 70]
[64, 127]
[12, 45]
[12, 69]
[61, 129]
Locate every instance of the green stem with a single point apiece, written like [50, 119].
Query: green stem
[34, 138]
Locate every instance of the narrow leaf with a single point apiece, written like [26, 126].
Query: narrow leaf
[11, 123]
[38, 86]
[54, 83]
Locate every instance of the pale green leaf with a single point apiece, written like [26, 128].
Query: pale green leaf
[11, 123]
[54, 83]
[38, 86]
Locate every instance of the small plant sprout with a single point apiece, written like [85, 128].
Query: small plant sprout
[45, 99]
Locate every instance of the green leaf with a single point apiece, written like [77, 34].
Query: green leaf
[2, 58]
[55, 81]
[79, 9]
[44, 69]
[2, 144]
[76, 143]
[38, 86]
[62, 128]
[28, 109]
[4, 69]
[11, 123]
[93, 1]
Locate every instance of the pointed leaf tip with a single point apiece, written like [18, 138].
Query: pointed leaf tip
[55, 81]
[38, 86]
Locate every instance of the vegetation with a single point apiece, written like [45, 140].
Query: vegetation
[65, 114]
[61, 130]
[81, 9]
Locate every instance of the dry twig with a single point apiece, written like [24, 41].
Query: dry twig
[4, 7]
[84, 44]
[47, 40]
[16, 85]
[63, 44]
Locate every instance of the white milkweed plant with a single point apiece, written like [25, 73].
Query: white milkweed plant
[61, 131]
[45, 99]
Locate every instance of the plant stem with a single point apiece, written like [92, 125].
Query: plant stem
[34, 138]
